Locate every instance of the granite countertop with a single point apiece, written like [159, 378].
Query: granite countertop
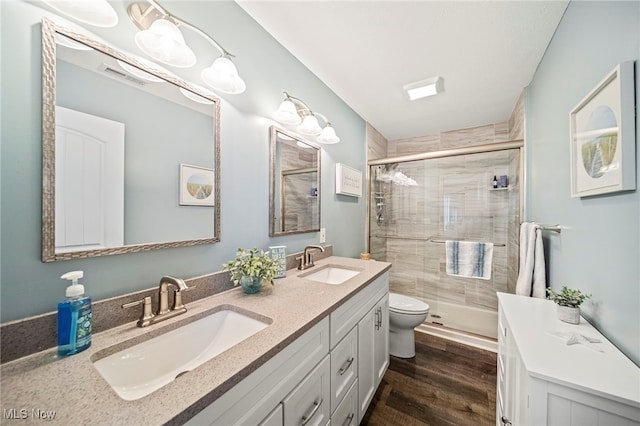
[73, 390]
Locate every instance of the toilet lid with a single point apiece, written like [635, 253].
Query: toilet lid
[405, 304]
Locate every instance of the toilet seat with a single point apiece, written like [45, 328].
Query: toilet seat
[402, 304]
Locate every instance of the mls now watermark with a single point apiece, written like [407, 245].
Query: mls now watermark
[25, 413]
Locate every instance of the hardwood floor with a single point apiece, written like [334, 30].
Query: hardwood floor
[447, 383]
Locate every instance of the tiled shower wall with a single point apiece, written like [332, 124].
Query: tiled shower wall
[413, 214]
[453, 200]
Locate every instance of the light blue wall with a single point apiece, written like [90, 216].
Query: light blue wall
[599, 248]
[28, 286]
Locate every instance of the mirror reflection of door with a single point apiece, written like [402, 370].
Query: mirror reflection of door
[299, 192]
[89, 181]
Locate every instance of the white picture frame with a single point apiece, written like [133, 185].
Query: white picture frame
[196, 186]
[348, 181]
[602, 136]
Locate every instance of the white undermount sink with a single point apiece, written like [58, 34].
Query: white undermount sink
[331, 274]
[146, 367]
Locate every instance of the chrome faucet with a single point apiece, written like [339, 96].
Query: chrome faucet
[163, 312]
[306, 260]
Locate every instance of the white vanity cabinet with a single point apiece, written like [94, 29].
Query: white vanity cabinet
[327, 375]
[543, 381]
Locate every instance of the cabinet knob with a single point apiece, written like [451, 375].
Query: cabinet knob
[505, 421]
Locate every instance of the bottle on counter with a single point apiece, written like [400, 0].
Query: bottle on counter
[74, 318]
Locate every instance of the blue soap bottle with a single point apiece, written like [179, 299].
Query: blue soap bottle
[74, 318]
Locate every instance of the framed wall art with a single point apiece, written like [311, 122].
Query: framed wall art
[602, 136]
[348, 181]
[196, 186]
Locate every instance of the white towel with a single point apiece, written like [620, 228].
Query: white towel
[469, 259]
[531, 277]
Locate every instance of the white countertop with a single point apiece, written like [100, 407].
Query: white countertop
[597, 368]
[73, 389]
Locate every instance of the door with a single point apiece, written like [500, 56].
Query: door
[89, 186]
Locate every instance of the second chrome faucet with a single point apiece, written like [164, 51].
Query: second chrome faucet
[164, 312]
[306, 260]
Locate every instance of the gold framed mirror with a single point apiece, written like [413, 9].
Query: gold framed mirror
[294, 195]
[130, 152]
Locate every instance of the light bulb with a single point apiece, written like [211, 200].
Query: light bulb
[287, 113]
[310, 126]
[163, 41]
[223, 76]
[328, 135]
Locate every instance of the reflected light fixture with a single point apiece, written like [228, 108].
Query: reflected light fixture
[161, 39]
[98, 13]
[423, 88]
[294, 112]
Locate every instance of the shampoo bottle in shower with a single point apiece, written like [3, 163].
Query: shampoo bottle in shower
[495, 182]
[74, 318]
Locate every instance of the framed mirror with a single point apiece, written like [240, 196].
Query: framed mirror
[294, 196]
[131, 153]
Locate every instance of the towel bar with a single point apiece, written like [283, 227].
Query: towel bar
[438, 240]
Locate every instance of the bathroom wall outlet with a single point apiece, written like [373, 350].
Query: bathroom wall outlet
[323, 235]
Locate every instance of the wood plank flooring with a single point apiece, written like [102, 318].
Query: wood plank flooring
[447, 383]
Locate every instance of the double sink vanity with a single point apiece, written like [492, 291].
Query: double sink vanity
[309, 350]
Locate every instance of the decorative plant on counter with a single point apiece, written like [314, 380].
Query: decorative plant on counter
[568, 301]
[251, 267]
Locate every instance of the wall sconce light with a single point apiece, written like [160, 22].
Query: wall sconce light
[161, 39]
[294, 111]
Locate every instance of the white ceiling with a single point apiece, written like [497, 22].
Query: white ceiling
[366, 51]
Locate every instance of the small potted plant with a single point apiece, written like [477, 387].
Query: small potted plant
[251, 268]
[568, 301]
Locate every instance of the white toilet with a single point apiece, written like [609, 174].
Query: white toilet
[405, 314]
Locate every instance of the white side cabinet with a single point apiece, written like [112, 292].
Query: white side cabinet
[543, 381]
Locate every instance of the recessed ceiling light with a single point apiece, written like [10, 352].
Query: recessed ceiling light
[423, 88]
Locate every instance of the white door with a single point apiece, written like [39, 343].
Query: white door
[89, 186]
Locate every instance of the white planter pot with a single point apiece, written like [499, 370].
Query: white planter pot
[569, 314]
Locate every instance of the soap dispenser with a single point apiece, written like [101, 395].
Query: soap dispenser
[74, 318]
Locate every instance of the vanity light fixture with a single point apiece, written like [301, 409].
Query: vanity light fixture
[294, 111]
[423, 88]
[98, 13]
[160, 38]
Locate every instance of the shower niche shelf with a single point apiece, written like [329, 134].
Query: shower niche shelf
[505, 188]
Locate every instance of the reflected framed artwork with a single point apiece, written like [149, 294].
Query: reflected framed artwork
[602, 136]
[196, 186]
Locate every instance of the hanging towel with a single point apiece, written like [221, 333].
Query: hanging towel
[469, 259]
[531, 277]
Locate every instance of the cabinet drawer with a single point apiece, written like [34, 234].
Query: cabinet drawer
[347, 315]
[346, 413]
[308, 404]
[344, 367]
